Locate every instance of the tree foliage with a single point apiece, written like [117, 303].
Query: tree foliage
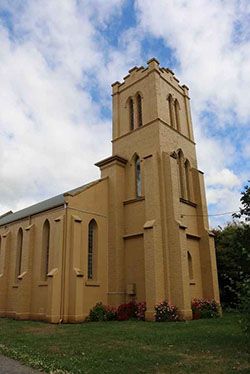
[245, 201]
[233, 261]
[233, 255]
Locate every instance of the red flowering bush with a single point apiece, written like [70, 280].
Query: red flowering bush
[165, 312]
[204, 308]
[126, 311]
[101, 312]
[140, 311]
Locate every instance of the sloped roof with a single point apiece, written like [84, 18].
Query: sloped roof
[53, 202]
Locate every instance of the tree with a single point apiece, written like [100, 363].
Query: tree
[233, 261]
[245, 201]
[233, 255]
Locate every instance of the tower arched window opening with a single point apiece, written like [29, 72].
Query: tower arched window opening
[139, 109]
[187, 177]
[177, 114]
[131, 114]
[181, 173]
[171, 110]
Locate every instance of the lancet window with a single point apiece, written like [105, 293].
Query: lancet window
[19, 251]
[190, 266]
[171, 110]
[187, 177]
[174, 112]
[180, 161]
[138, 176]
[139, 110]
[92, 249]
[177, 114]
[45, 249]
[131, 114]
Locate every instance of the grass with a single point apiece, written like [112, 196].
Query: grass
[203, 346]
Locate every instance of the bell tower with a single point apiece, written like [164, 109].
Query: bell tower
[160, 246]
[147, 96]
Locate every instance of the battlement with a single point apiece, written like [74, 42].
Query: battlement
[137, 73]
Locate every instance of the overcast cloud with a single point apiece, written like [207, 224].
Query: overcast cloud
[58, 59]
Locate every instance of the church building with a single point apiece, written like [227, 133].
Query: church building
[140, 232]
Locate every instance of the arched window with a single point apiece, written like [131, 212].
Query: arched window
[131, 114]
[177, 114]
[138, 176]
[139, 109]
[45, 249]
[19, 251]
[171, 110]
[187, 177]
[92, 250]
[181, 176]
[190, 266]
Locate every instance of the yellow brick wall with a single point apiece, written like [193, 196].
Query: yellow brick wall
[143, 242]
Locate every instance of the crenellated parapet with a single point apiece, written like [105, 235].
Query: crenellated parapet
[150, 94]
[137, 73]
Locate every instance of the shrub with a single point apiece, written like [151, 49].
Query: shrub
[97, 313]
[245, 307]
[204, 308]
[140, 311]
[126, 311]
[165, 312]
[233, 260]
[111, 313]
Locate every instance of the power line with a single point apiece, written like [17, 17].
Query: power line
[209, 215]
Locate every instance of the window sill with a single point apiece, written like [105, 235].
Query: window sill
[128, 236]
[188, 202]
[193, 236]
[92, 283]
[130, 201]
[42, 284]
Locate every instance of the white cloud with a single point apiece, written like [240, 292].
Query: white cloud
[203, 33]
[224, 177]
[52, 131]
[222, 200]
[56, 57]
[211, 41]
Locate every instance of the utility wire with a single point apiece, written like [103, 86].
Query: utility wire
[209, 215]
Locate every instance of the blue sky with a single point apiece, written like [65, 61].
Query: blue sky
[58, 59]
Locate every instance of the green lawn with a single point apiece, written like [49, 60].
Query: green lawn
[203, 346]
